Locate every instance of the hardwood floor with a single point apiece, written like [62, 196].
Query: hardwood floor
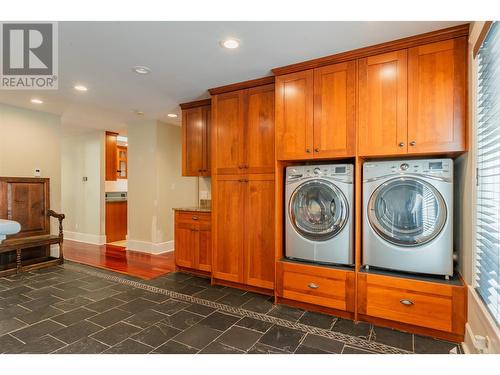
[117, 258]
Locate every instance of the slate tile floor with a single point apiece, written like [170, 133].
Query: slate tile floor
[78, 309]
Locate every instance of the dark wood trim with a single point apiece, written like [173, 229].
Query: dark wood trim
[111, 133]
[196, 103]
[481, 38]
[242, 85]
[412, 41]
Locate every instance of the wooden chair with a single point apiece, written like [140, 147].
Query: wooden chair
[26, 200]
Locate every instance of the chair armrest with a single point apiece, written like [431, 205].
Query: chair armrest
[59, 217]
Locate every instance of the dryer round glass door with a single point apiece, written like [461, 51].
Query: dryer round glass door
[318, 210]
[407, 211]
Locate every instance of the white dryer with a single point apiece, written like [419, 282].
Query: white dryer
[319, 213]
[408, 215]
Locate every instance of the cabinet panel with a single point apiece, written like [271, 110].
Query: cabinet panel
[259, 231]
[228, 257]
[383, 104]
[116, 221]
[185, 245]
[335, 110]
[259, 137]
[207, 116]
[436, 97]
[229, 118]
[111, 152]
[204, 258]
[294, 115]
[193, 132]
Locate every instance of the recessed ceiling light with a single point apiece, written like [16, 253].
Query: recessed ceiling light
[80, 88]
[141, 69]
[230, 43]
[139, 113]
[37, 101]
[173, 115]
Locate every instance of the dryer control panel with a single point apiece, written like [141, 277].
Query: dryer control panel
[429, 167]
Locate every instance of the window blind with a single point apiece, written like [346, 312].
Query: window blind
[487, 260]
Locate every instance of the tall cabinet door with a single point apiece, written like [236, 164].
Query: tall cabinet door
[382, 126]
[294, 115]
[229, 119]
[335, 110]
[436, 96]
[259, 231]
[259, 134]
[193, 128]
[207, 118]
[229, 216]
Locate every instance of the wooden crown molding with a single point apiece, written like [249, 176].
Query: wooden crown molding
[196, 103]
[242, 85]
[412, 41]
[482, 37]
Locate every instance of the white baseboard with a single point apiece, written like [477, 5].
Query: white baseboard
[481, 323]
[150, 247]
[85, 237]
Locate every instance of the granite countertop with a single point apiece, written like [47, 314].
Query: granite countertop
[193, 209]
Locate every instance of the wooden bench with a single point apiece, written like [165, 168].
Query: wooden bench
[26, 200]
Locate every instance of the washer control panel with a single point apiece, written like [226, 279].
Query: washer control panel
[430, 167]
[339, 171]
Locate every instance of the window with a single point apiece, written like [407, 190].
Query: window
[487, 261]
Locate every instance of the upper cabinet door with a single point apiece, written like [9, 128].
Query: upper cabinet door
[294, 115]
[436, 97]
[195, 142]
[111, 159]
[382, 128]
[229, 121]
[259, 137]
[335, 110]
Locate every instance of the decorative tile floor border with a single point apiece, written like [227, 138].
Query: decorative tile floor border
[346, 339]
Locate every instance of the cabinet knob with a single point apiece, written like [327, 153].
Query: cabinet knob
[308, 150]
[413, 143]
[195, 218]
[401, 144]
[316, 149]
[313, 286]
[406, 302]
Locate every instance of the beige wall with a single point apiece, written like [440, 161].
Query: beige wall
[155, 184]
[83, 201]
[30, 140]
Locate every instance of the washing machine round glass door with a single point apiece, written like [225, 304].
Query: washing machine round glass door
[407, 211]
[318, 210]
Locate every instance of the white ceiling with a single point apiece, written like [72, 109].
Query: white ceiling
[186, 60]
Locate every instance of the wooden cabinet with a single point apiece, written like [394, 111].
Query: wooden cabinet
[116, 221]
[382, 127]
[196, 117]
[437, 79]
[335, 110]
[244, 250]
[193, 240]
[244, 135]
[111, 149]
[316, 113]
[432, 305]
[413, 101]
[122, 161]
[322, 286]
[294, 115]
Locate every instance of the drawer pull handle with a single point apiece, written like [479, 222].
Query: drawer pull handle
[195, 218]
[406, 302]
[313, 286]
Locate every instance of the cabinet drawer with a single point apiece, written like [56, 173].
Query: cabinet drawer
[317, 285]
[193, 217]
[424, 304]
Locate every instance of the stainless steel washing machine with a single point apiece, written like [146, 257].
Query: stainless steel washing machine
[319, 213]
[408, 215]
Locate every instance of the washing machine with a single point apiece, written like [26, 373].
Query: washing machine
[408, 216]
[319, 213]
